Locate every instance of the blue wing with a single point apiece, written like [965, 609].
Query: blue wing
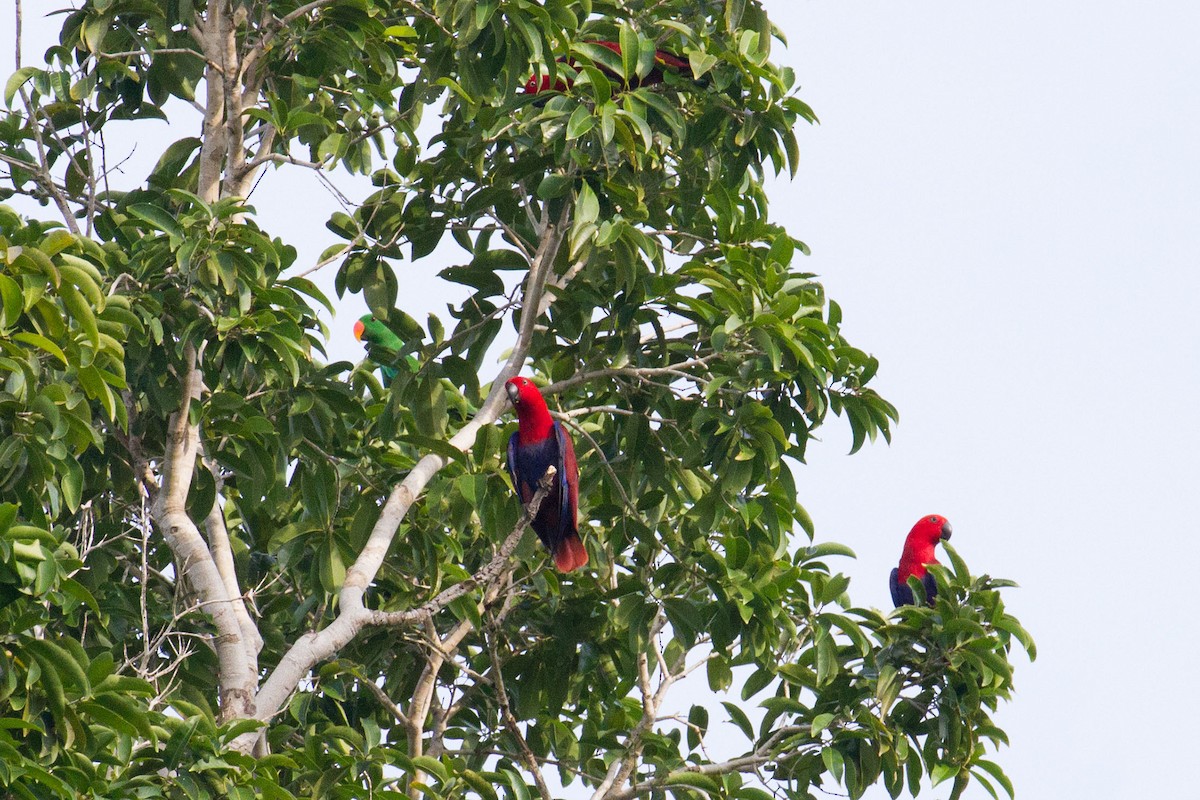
[901, 594]
[930, 587]
[568, 482]
[512, 462]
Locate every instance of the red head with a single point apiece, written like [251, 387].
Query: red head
[533, 417]
[920, 544]
[536, 83]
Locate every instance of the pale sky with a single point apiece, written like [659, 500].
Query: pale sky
[1005, 200]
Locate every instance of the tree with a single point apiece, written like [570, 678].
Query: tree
[230, 568]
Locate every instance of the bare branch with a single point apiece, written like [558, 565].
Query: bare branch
[314, 647]
[212, 33]
[177, 51]
[677, 370]
[42, 173]
[324, 262]
[387, 703]
[17, 34]
[193, 560]
[623, 767]
[767, 751]
[510, 722]
[484, 577]
[222, 552]
[282, 158]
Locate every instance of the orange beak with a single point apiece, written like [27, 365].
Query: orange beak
[358, 329]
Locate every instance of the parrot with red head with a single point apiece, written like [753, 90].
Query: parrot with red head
[662, 59]
[539, 443]
[919, 551]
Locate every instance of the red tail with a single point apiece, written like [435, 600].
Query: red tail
[571, 554]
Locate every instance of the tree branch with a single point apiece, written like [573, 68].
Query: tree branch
[749, 762]
[510, 722]
[211, 33]
[314, 647]
[623, 767]
[484, 577]
[387, 703]
[676, 370]
[222, 553]
[238, 674]
[42, 172]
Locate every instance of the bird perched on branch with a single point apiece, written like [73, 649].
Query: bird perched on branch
[662, 60]
[374, 333]
[539, 443]
[919, 551]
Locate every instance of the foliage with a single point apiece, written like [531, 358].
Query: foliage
[213, 544]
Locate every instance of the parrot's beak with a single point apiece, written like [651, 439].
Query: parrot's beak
[946, 531]
[358, 329]
[514, 394]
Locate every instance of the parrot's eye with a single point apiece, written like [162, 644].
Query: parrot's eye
[933, 519]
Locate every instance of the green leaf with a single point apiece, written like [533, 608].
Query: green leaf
[993, 769]
[81, 312]
[16, 81]
[553, 186]
[158, 218]
[51, 683]
[629, 51]
[62, 660]
[694, 780]
[827, 662]
[13, 300]
[961, 573]
[822, 549]
[432, 766]
[581, 122]
[739, 718]
[72, 484]
[128, 710]
[42, 343]
[697, 725]
[720, 676]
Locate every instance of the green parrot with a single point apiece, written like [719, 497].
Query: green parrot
[375, 334]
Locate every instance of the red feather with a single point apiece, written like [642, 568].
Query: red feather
[919, 550]
[539, 443]
[541, 83]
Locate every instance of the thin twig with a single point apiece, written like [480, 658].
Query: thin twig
[484, 577]
[510, 722]
[641, 373]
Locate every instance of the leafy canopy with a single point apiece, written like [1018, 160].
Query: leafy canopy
[215, 545]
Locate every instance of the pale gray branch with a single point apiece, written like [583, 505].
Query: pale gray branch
[677, 370]
[42, 173]
[222, 552]
[238, 674]
[767, 751]
[314, 647]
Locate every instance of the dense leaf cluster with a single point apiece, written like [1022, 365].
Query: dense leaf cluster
[677, 338]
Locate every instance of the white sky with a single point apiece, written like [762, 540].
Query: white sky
[1005, 200]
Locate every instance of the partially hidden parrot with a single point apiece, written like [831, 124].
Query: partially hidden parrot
[919, 551]
[540, 442]
[662, 59]
[373, 332]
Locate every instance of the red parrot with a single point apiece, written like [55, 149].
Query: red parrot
[539, 443]
[919, 551]
[541, 83]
